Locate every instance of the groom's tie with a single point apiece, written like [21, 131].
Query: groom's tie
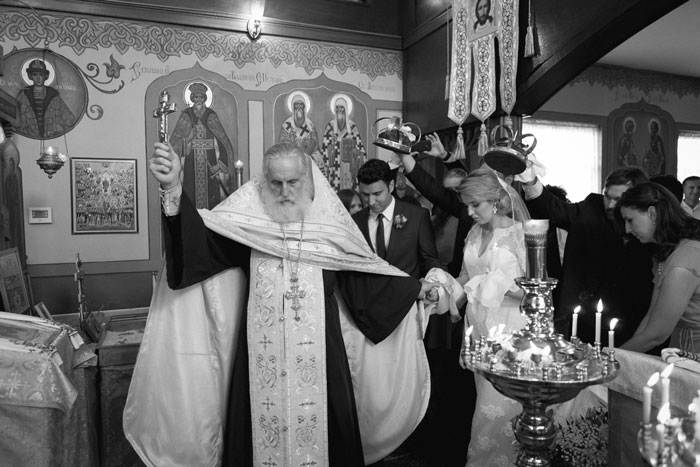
[381, 247]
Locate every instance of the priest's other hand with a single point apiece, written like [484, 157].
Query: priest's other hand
[165, 165]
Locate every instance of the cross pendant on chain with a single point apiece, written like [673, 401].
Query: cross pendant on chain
[294, 294]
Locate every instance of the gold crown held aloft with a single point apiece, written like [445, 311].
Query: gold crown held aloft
[395, 135]
[508, 153]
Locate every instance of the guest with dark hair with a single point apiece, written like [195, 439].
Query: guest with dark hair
[652, 215]
[351, 200]
[599, 263]
[671, 183]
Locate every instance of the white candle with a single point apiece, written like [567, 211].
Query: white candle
[611, 333]
[574, 323]
[646, 405]
[598, 319]
[467, 337]
[660, 438]
[662, 418]
[666, 384]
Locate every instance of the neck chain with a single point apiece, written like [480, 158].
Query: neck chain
[660, 267]
[295, 293]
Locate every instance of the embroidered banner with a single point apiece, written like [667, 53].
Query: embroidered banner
[476, 24]
[460, 75]
[508, 52]
[484, 102]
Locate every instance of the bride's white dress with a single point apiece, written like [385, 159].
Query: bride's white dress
[487, 278]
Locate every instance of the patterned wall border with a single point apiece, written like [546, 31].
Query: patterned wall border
[164, 42]
[648, 82]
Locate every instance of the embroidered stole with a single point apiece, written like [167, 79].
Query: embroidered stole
[287, 365]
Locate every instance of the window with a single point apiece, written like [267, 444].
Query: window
[688, 154]
[571, 152]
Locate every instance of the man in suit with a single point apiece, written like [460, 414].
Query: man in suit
[600, 261]
[406, 237]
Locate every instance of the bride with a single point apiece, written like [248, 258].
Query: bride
[494, 255]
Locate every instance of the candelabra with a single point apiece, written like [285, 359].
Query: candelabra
[536, 366]
[672, 442]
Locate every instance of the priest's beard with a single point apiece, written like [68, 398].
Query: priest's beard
[287, 209]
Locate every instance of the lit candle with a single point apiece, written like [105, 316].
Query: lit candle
[574, 323]
[663, 418]
[467, 337]
[666, 384]
[646, 405]
[611, 333]
[238, 168]
[598, 318]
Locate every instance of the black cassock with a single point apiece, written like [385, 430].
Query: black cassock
[376, 303]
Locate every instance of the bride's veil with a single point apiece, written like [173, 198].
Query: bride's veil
[518, 211]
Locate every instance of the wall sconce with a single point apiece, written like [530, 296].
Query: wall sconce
[254, 26]
[51, 160]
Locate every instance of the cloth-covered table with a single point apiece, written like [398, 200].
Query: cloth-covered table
[625, 401]
[48, 400]
[117, 351]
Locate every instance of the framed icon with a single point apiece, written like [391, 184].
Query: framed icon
[103, 196]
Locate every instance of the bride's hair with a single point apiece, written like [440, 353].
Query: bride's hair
[481, 185]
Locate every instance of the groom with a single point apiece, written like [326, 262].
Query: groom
[399, 232]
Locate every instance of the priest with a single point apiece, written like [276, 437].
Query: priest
[280, 338]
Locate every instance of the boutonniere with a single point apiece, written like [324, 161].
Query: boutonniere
[399, 221]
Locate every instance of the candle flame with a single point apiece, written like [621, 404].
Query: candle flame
[664, 413]
[613, 322]
[469, 331]
[492, 331]
[577, 309]
[600, 306]
[653, 380]
[667, 371]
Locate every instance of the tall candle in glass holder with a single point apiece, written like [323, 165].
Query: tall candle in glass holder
[646, 403]
[598, 320]
[238, 169]
[536, 243]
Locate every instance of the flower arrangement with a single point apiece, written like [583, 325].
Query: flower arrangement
[399, 221]
[582, 441]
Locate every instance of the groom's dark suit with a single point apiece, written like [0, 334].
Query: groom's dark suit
[412, 247]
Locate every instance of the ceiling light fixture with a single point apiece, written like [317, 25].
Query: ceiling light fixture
[254, 26]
